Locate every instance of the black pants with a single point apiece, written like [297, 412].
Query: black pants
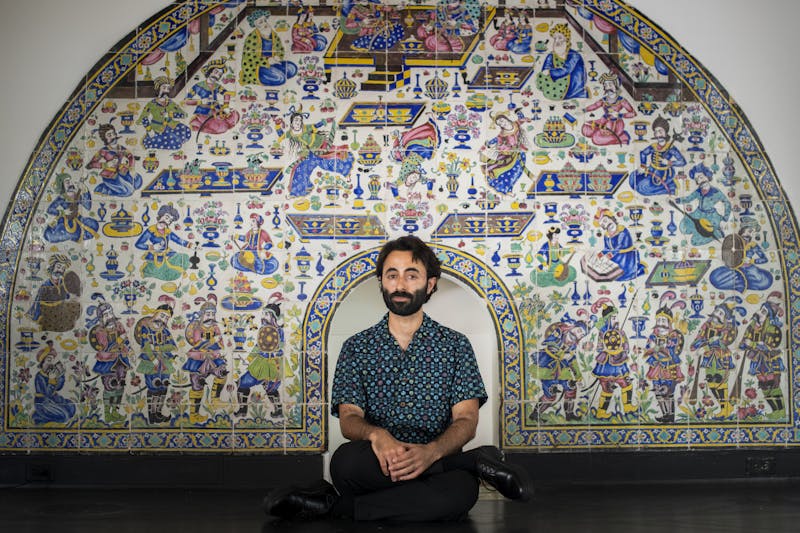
[446, 491]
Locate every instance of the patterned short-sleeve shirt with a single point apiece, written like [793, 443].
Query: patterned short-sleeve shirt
[409, 393]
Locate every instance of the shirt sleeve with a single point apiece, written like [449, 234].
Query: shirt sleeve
[467, 382]
[347, 386]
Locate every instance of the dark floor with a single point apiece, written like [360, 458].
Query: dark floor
[753, 506]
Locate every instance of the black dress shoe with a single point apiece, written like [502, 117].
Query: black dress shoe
[511, 481]
[301, 503]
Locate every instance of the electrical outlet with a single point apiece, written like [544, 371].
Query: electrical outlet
[760, 466]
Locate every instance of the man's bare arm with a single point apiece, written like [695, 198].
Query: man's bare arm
[355, 427]
[419, 457]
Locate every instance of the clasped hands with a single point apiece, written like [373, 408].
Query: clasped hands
[400, 460]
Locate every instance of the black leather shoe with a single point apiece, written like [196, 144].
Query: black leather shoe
[301, 503]
[511, 481]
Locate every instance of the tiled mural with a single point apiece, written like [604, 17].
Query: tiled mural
[184, 232]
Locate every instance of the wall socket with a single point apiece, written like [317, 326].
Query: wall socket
[760, 466]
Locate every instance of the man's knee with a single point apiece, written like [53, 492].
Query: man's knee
[350, 459]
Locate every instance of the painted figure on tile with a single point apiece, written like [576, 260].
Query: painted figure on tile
[253, 254]
[411, 149]
[161, 261]
[205, 356]
[212, 100]
[306, 36]
[116, 165]
[563, 74]
[663, 353]
[313, 148]
[558, 367]
[714, 340]
[703, 222]
[377, 25]
[742, 273]
[611, 364]
[263, 55]
[57, 305]
[609, 128]
[107, 336]
[157, 356]
[448, 23]
[761, 344]
[265, 362]
[48, 405]
[554, 268]
[619, 258]
[506, 33]
[160, 118]
[504, 156]
[69, 224]
[658, 162]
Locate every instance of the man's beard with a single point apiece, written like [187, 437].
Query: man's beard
[407, 308]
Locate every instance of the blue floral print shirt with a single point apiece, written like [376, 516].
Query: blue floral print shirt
[409, 393]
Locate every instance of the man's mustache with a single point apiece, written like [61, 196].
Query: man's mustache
[401, 294]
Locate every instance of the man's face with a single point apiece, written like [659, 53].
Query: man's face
[110, 137]
[609, 88]
[660, 134]
[215, 74]
[164, 90]
[209, 315]
[58, 270]
[559, 41]
[573, 336]
[160, 318]
[166, 219]
[608, 224]
[404, 283]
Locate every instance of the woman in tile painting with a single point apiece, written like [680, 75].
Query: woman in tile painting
[254, 255]
[504, 156]
[554, 268]
[305, 34]
[49, 405]
[115, 163]
[313, 147]
[747, 275]
[263, 53]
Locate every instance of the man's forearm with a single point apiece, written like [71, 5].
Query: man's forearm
[355, 427]
[460, 432]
